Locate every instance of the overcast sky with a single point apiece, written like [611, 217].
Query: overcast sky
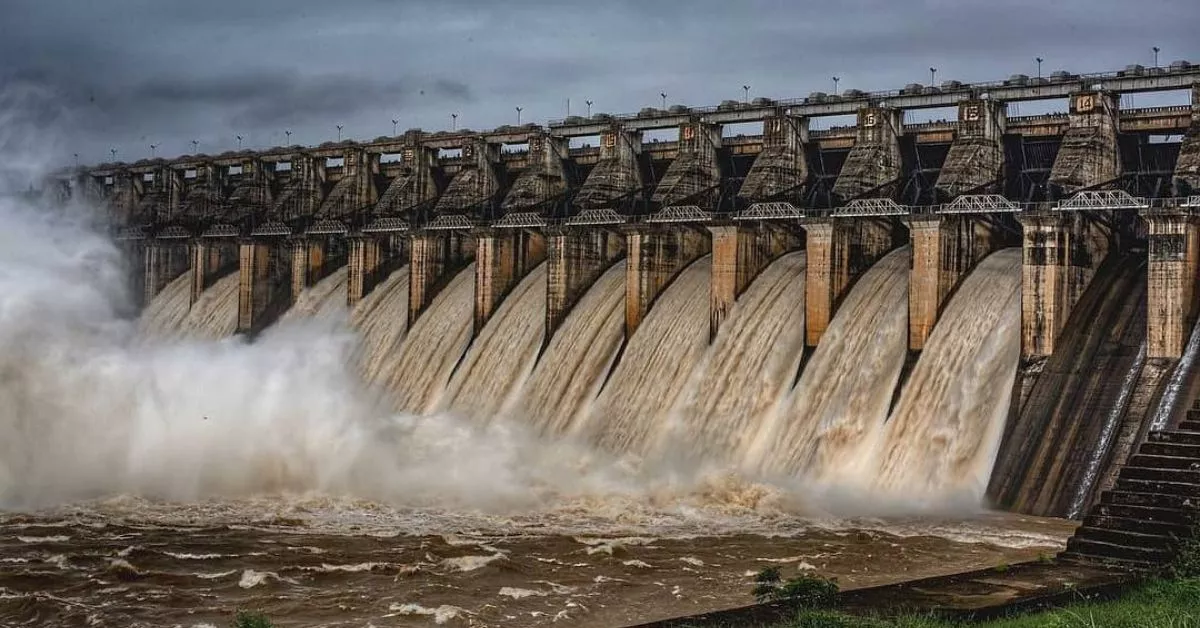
[128, 73]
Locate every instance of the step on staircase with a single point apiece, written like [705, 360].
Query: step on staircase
[1154, 505]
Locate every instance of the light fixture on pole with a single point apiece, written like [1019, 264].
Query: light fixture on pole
[152, 148]
[289, 137]
[195, 146]
[1155, 49]
[339, 128]
[835, 82]
[454, 122]
[589, 107]
[239, 142]
[664, 99]
[518, 116]
[746, 89]
[933, 76]
[114, 154]
[76, 159]
[568, 107]
[394, 123]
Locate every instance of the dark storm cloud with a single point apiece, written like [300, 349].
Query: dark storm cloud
[142, 71]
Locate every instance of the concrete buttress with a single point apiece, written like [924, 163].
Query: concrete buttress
[739, 254]
[264, 283]
[782, 166]
[839, 250]
[694, 170]
[544, 178]
[354, 190]
[1171, 290]
[413, 185]
[308, 262]
[575, 258]
[210, 258]
[434, 258]
[875, 160]
[654, 256]
[502, 258]
[1088, 155]
[618, 172]
[475, 183]
[975, 163]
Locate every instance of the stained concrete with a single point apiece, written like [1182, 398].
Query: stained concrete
[544, 178]
[839, 250]
[301, 197]
[1174, 249]
[1187, 166]
[740, 253]
[576, 257]
[655, 255]
[264, 285]
[502, 258]
[1088, 155]
[475, 183]
[354, 191]
[162, 262]
[617, 173]
[413, 185]
[434, 258]
[875, 159]
[694, 170]
[782, 165]
[210, 257]
[975, 163]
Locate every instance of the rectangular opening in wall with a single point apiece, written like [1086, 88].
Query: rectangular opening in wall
[149, 176]
[824, 123]
[108, 180]
[190, 173]
[283, 166]
[933, 114]
[1173, 98]
[390, 158]
[515, 148]
[742, 129]
[655, 136]
[234, 170]
[1049, 106]
[335, 162]
[584, 141]
[449, 153]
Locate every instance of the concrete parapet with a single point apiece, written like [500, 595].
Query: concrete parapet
[694, 169]
[875, 159]
[434, 258]
[544, 178]
[739, 253]
[976, 158]
[944, 249]
[655, 255]
[575, 259]
[210, 258]
[1061, 252]
[475, 183]
[1088, 155]
[413, 185]
[264, 285]
[839, 250]
[617, 173]
[1171, 289]
[502, 258]
[782, 165]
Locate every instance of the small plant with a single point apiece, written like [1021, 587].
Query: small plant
[1045, 558]
[1001, 568]
[811, 591]
[249, 619]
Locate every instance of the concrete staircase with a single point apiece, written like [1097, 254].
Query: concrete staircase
[1154, 504]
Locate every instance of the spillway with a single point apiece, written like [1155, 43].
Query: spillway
[165, 313]
[502, 356]
[845, 390]
[326, 297]
[1059, 440]
[213, 316]
[941, 438]
[572, 367]
[415, 373]
[658, 360]
[382, 318]
[752, 361]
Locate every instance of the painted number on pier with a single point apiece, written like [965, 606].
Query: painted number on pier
[1085, 103]
[870, 118]
[610, 140]
[971, 113]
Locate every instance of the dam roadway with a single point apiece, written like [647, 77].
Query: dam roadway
[1078, 192]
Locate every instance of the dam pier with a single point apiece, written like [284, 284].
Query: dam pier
[1102, 199]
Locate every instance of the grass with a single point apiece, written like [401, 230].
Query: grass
[248, 619]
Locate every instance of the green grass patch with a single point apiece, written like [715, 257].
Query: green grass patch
[249, 619]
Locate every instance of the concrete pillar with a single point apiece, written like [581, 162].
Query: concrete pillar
[434, 258]
[161, 263]
[253, 284]
[1187, 165]
[782, 165]
[354, 190]
[1062, 251]
[544, 178]
[1171, 291]
[976, 159]
[739, 253]
[839, 250]
[502, 258]
[307, 264]
[1088, 154]
[617, 173]
[575, 259]
[875, 159]
[209, 259]
[475, 183]
[694, 169]
[413, 185]
[655, 255]
[944, 249]
[363, 263]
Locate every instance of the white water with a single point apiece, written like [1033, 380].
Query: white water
[381, 318]
[164, 315]
[326, 298]
[845, 390]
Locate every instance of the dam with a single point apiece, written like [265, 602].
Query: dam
[995, 308]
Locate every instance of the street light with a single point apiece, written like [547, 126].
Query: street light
[933, 76]
[394, 123]
[152, 148]
[339, 128]
[589, 107]
[1039, 62]
[1155, 49]
[835, 82]
[114, 154]
[454, 122]
[239, 142]
[76, 159]
[289, 137]
[664, 99]
[568, 107]
[518, 116]
[746, 89]
[195, 146]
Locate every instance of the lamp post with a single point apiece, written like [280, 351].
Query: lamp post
[76, 159]
[152, 148]
[589, 107]
[394, 123]
[933, 76]
[664, 99]
[746, 89]
[114, 154]
[835, 82]
[239, 142]
[454, 122]
[1155, 49]
[195, 146]
[289, 137]
[568, 107]
[518, 116]
[339, 128]
[1039, 62]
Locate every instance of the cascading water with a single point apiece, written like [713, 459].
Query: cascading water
[942, 437]
[214, 315]
[752, 361]
[571, 369]
[163, 316]
[657, 361]
[326, 298]
[846, 387]
[416, 373]
[502, 355]
[381, 318]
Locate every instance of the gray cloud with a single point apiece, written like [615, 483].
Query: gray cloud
[134, 72]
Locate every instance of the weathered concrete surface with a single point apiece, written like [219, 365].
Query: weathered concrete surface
[875, 159]
[618, 171]
[301, 196]
[502, 258]
[252, 188]
[839, 250]
[655, 255]
[434, 258]
[694, 169]
[308, 263]
[264, 284]
[1187, 167]
[355, 190]
[362, 266]
[1174, 245]
[162, 262]
[739, 253]
[1088, 155]
[575, 259]
[544, 178]
[475, 183]
[413, 185]
[209, 259]
[944, 249]
[976, 158]
[782, 165]
[1062, 251]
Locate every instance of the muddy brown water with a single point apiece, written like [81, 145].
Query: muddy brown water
[130, 562]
